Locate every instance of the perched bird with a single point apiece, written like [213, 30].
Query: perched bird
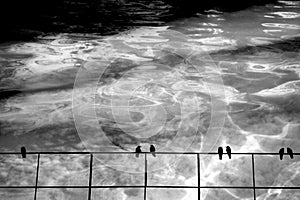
[138, 151]
[220, 152]
[290, 152]
[228, 151]
[23, 152]
[152, 150]
[281, 152]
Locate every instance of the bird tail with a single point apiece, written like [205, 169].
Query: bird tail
[229, 155]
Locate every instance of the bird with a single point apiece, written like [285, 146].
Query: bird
[23, 152]
[138, 151]
[220, 152]
[281, 152]
[228, 150]
[152, 150]
[290, 152]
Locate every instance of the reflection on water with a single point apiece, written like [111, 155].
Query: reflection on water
[158, 85]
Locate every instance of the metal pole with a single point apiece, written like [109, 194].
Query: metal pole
[253, 177]
[198, 173]
[37, 176]
[145, 186]
[90, 177]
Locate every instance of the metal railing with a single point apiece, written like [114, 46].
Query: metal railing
[145, 186]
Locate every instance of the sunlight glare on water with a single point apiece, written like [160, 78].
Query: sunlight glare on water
[158, 86]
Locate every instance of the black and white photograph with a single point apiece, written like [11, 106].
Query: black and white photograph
[150, 100]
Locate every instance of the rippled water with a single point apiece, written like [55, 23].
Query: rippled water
[194, 84]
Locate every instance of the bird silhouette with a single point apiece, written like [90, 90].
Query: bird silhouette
[290, 152]
[220, 152]
[138, 151]
[281, 152]
[23, 152]
[152, 150]
[228, 151]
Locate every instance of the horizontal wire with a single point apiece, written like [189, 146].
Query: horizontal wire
[98, 152]
[150, 186]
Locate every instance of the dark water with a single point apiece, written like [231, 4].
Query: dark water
[24, 20]
[191, 84]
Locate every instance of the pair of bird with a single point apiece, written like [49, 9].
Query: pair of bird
[138, 150]
[289, 151]
[228, 151]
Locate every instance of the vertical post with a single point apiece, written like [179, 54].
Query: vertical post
[37, 176]
[198, 174]
[253, 177]
[90, 177]
[145, 186]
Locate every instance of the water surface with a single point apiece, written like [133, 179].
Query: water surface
[194, 84]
